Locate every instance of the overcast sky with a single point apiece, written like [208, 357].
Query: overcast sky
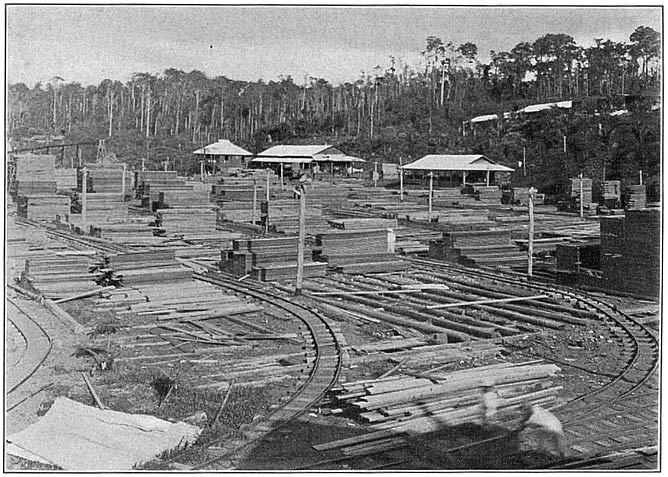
[88, 44]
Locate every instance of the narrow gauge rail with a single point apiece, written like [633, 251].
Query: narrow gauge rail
[38, 347]
[324, 372]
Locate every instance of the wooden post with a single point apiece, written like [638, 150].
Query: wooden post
[201, 171]
[431, 194]
[487, 176]
[282, 183]
[524, 160]
[375, 173]
[302, 238]
[532, 193]
[581, 201]
[254, 202]
[79, 155]
[641, 177]
[84, 186]
[143, 163]
[123, 182]
[464, 177]
[401, 181]
[268, 171]
[564, 144]
[166, 163]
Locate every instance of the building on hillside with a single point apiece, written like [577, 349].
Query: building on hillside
[222, 155]
[316, 159]
[454, 169]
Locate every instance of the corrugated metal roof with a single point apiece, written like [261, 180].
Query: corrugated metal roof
[535, 108]
[484, 118]
[456, 162]
[223, 148]
[294, 151]
[283, 159]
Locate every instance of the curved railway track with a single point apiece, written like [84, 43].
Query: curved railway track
[37, 348]
[323, 374]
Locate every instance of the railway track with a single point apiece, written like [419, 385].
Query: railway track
[37, 346]
[324, 372]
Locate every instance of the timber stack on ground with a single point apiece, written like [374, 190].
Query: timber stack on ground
[63, 274]
[268, 259]
[480, 247]
[158, 266]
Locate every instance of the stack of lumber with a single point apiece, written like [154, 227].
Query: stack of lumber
[149, 184]
[637, 197]
[481, 247]
[420, 404]
[454, 219]
[102, 208]
[359, 251]
[43, 207]
[283, 216]
[488, 195]
[66, 178]
[571, 257]
[363, 224]
[33, 174]
[238, 211]
[268, 259]
[108, 178]
[188, 220]
[63, 274]
[587, 197]
[133, 231]
[414, 241]
[632, 264]
[184, 196]
[521, 196]
[158, 266]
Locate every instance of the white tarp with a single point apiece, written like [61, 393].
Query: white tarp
[74, 436]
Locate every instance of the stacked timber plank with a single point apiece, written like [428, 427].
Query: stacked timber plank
[521, 196]
[636, 197]
[43, 207]
[488, 194]
[481, 247]
[157, 266]
[188, 220]
[631, 251]
[136, 230]
[587, 197]
[183, 197]
[415, 404]
[66, 178]
[63, 274]
[149, 184]
[363, 251]
[268, 259]
[108, 178]
[283, 216]
[363, 224]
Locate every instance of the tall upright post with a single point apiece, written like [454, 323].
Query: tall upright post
[488, 176]
[268, 171]
[201, 171]
[524, 160]
[564, 144]
[375, 173]
[166, 163]
[143, 163]
[301, 239]
[431, 194]
[282, 183]
[254, 218]
[84, 187]
[532, 193]
[641, 177]
[79, 155]
[581, 198]
[401, 181]
[123, 182]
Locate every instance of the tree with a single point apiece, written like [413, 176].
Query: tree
[645, 45]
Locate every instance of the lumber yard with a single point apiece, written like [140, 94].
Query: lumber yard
[324, 321]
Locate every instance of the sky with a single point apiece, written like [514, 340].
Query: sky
[87, 44]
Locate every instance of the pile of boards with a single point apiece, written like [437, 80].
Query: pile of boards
[188, 220]
[477, 247]
[359, 251]
[149, 184]
[104, 208]
[425, 403]
[66, 178]
[488, 194]
[156, 266]
[587, 194]
[108, 178]
[631, 251]
[268, 259]
[63, 274]
[136, 230]
[34, 188]
[636, 197]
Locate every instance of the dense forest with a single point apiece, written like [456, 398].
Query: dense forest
[395, 112]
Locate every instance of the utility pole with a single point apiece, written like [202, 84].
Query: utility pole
[84, 186]
[431, 194]
[581, 193]
[123, 182]
[524, 160]
[301, 239]
[532, 193]
[401, 181]
[254, 202]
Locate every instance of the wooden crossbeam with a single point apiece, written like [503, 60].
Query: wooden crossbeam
[486, 302]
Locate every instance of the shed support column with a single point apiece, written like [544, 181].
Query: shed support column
[464, 177]
[487, 177]
[431, 194]
[282, 183]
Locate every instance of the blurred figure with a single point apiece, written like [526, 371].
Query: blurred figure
[546, 427]
[489, 402]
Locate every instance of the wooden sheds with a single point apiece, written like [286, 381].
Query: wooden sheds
[451, 168]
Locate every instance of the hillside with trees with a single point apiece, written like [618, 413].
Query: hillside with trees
[396, 111]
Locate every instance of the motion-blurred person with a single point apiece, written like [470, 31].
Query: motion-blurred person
[489, 402]
[547, 429]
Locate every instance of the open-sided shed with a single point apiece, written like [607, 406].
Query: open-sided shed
[318, 158]
[446, 167]
[222, 155]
